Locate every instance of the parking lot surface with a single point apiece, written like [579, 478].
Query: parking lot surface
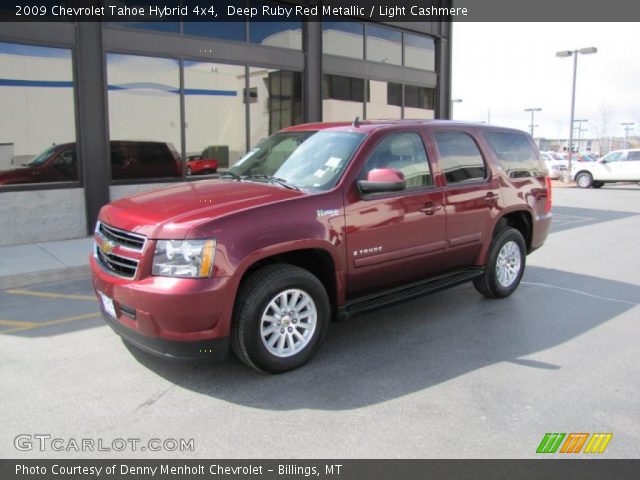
[445, 376]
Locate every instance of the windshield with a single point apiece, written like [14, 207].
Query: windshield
[306, 159]
[41, 158]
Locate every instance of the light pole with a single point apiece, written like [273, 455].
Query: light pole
[533, 110]
[580, 130]
[627, 128]
[454, 101]
[564, 54]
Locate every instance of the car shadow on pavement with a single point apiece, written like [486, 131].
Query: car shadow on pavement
[409, 347]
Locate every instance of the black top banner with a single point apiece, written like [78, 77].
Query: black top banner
[317, 10]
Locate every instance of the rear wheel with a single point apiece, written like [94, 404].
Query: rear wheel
[507, 259]
[281, 316]
[584, 180]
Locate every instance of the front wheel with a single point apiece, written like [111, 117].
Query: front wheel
[507, 259]
[281, 316]
[584, 180]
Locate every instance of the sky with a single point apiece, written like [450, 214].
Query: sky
[503, 68]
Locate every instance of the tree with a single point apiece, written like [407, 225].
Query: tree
[602, 125]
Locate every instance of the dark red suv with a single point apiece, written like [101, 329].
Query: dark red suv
[320, 222]
[130, 159]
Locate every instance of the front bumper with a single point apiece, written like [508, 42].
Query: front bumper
[216, 348]
[172, 317]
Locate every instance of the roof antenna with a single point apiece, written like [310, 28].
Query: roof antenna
[356, 122]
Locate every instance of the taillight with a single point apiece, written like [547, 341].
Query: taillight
[547, 205]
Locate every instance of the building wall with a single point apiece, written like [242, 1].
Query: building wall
[48, 98]
[42, 215]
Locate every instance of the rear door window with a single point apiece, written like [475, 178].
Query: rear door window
[515, 153]
[460, 157]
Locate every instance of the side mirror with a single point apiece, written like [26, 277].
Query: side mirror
[383, 180]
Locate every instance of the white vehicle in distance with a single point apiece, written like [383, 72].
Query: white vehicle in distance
[556, 165]
[616, 166]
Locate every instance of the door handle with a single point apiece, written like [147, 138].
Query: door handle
[430, 208]
[491, 198]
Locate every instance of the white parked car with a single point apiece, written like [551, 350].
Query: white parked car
[616, 166]
[555, 164]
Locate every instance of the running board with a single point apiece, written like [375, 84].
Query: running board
[405, 292]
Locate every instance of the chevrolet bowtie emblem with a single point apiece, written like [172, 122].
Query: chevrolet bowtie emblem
[107, 247]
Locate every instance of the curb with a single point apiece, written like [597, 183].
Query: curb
[44, 276]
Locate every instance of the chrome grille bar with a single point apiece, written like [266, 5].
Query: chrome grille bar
[123, 238]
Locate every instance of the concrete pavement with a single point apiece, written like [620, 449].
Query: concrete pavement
[22, 265]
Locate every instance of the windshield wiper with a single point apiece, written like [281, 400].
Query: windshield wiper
[231, 174]
[271, 178]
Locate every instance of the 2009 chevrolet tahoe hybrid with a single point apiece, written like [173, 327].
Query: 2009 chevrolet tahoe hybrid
[320, 222]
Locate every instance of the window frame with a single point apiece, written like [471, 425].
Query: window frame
[406, 191]
[488, 172]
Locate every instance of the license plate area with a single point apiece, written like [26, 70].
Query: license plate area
[107, 304]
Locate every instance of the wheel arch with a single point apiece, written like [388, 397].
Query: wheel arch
[521, 220]
[313, 258]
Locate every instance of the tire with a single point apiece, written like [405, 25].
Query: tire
[262, 338]
[597, 184]
[508, 248]
[584, 180]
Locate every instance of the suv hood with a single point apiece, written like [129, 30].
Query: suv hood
[170, 213]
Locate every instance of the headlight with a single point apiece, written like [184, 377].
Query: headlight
[184, 258]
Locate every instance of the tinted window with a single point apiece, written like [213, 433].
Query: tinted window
[275, 34]
[418, 97]
[517, 156]
[419, 52]
[338, 87]
[404, 152]
[394, 94]
[144, 104]
[37, 113]
[460, 158]
[215, 87]
[342, 98]
[275, 101]
[345, 39]
[633, 156]
[384, 45]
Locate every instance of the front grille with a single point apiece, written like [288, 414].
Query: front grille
[117, 264]
[120, 237]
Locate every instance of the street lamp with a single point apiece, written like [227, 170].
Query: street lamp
[627, 128]
[454, 100]
[533, 111]
[564, 54]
